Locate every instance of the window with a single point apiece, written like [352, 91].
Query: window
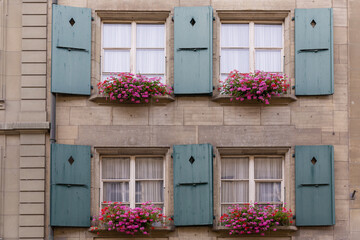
[138, 48]
[249, 179]
[133, 180]
[252, 46]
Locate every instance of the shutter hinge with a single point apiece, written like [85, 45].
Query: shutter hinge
[293, 87]
[213, 216]
[172, 156]
[91, 155]
[353, 195]
[213, 18]
[92, 19]
[293, 19]
[172, 18]
[293, 155]
[294, 216]
[92, 87]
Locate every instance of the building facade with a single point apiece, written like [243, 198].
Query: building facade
[119, 151]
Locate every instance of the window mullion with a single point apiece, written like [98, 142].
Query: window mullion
[282, 49]
[133, 48]
[251, 179]
[132, 182]
[251, 47]
[282, 181]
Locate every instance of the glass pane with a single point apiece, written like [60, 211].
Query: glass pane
[234, 59]
[150, 61]
[116, 61]
[149, 191]
[116, 35]
[268, 192]
[268, 35]
[268, 60]
[268, 168]
[149, 168]
[115, 168]
[116, 192]
[234, 35]
[155, 206]
[162, 77]
[234, 192]
[225, 207]
[235, 168]
[150, 35]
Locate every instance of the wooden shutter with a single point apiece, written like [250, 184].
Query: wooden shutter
[193, 50]
[71, 50]
[314, 64]
[314, 180]
[193, 185]
[70, 185]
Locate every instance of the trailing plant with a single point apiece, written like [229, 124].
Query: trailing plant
[127, 87]
[255, 218]
[121, 218]
[259, 85]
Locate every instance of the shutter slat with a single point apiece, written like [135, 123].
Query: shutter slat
[70, 185]
[193, 50]
[71, 50]
[193, 185]
[314, 180]
[314, 73]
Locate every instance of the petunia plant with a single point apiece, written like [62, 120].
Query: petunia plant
[255, 218]
[121, 218]
[128, 87]
[259, 85]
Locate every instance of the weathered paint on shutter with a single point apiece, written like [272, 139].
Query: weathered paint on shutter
[71, 50]
[193, 185]
[193, 50]
[314, 180]
[314, 64]
[70, 185]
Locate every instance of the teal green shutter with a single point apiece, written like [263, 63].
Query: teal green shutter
[314, 180]
[193, 50]
[193, 185]
[314, 64]
[71, 50]
[70, 185]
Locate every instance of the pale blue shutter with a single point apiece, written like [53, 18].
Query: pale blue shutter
[71, 50]
[314, 64]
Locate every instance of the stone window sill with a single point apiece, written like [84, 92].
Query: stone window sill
[280, 231]
[102, 100]
[157, 231]
[282, 100]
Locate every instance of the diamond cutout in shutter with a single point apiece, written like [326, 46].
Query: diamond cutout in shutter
[192, 21]
[71, 160]
[192, 160]
[313, 160]
[313, 23]
[72, 22]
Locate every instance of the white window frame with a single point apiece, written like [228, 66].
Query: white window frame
[133, 47]
[132, 180]
[252, 180]
[252, 47]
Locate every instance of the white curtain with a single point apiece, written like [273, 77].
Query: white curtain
[237, 191]
[234, 59]
[234, 35]
[268, 36]
[116, 61]
[149, 168]
[149, 191]
[117, 35]
[268, 192]
[235, 168]
[116, 168]
[268, 60]
[150, 35]
[150, 61]
[268, 168]
[116, 192]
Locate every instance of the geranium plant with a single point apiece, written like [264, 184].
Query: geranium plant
[121, 218]
[128, 87]
[255, 218]
[259, 85]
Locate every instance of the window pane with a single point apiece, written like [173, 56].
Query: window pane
[149, 191]
[162, 77]
[234, 192]
[149, 168]
[268, 192]
[268, 168]
[116, 61]
[268, 35]
[235, 168]
[150, 35]
[115, 168]
[234, 35]
[116, 192]
[150, 61]
[268, 60]
[234, 59]
[117, 35]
